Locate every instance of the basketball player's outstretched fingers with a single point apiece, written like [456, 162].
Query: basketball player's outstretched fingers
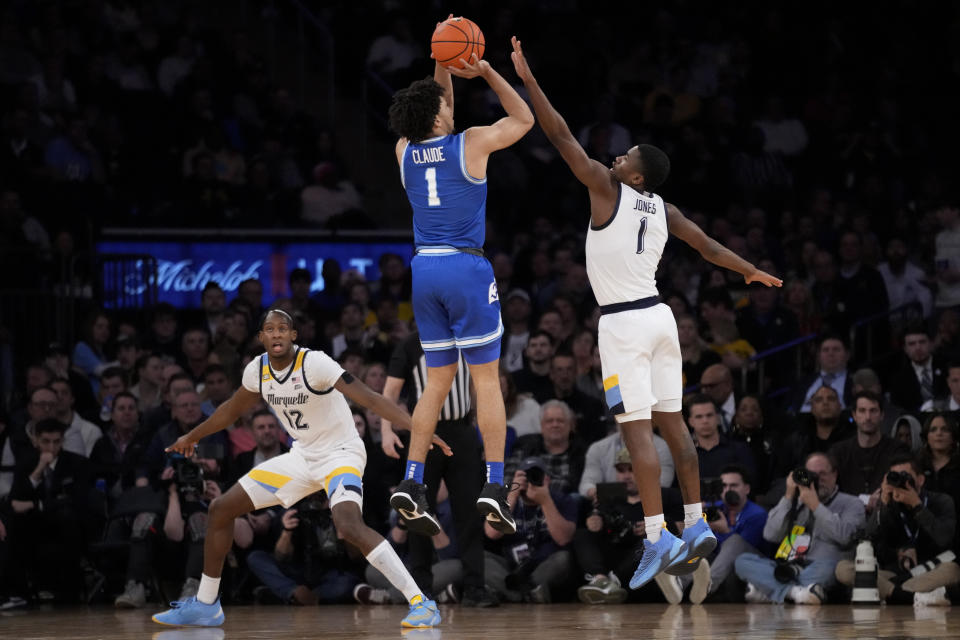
[438, 441]
[184, 446]
[519, 62]
[764, 278]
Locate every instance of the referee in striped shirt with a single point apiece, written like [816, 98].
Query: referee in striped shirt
[463, 472]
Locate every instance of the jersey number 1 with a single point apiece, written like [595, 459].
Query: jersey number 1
[643, 231]
[432, 198]
[293, 417]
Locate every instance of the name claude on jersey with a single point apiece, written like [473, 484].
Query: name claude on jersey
[427, 155]
[287, 401]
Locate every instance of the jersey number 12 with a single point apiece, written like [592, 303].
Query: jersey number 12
[294, 417]
[432, 198]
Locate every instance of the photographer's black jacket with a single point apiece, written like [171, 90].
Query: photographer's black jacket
[929, 528]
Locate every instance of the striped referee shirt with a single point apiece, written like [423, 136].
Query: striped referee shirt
[409, 364]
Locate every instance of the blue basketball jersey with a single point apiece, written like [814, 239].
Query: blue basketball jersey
[449, 205]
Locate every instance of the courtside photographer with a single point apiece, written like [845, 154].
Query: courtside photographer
[534, 563]
[815, 525]
[912, 532]
[605, 546]
[309, 562]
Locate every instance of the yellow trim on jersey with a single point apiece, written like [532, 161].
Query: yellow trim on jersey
[298, 363]
[269, 477]
[266, 373]
[611, 382]
[340, 471]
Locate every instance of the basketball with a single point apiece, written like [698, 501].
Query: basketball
[454, 39]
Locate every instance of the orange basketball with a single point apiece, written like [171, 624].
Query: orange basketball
[454, 39]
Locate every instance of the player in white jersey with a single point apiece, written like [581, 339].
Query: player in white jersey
[306, 390]
[639, 349]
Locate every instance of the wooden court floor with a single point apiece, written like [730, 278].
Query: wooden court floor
[514, 622]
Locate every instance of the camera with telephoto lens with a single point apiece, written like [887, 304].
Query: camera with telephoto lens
[900, 480]
[711, 491]
[316, 523]
[313, 511]
[188, 476]
[787, 571]
[535, 476]
[610, 497]
[616, 526]
[804, 478]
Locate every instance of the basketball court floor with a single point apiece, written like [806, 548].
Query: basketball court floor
[514, 622]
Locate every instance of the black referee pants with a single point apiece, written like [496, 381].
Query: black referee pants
[464, 474]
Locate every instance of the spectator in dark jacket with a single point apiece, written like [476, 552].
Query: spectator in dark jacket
[940, 456]
[556, 445]
[269, 436]
[116, 455]
[864, 458]
[714, 451]
[186, 415]
[50, 504]
[922, 375]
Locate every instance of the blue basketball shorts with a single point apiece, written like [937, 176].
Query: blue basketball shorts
[457, 308]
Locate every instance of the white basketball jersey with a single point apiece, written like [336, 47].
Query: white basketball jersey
[302, 396]
[623, 254]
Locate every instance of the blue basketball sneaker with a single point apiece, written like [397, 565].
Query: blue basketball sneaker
[700, 543]
[422, 615]
[191, 613]
[657, 556]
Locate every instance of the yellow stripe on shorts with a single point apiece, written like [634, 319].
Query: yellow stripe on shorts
[611, 382]
[269, 478]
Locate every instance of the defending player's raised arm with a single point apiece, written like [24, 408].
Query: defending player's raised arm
[588, 171]
[363, 395]
[504, 132]
[225, 415]
[712, 251]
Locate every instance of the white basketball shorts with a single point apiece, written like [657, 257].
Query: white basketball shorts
[641, 362]
[291, 476]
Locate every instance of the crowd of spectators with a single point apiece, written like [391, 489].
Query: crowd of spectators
[85, 482]
[796, 141]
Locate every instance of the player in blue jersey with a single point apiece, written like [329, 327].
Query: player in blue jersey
[455, 299]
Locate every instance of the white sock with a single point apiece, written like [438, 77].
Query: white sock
[386, 561]
[209, 588]
[653, 525]
[692, 514]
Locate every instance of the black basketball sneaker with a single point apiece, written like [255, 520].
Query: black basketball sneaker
[492, 503]
[410, 501]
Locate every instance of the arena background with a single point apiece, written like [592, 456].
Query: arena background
[151, 147]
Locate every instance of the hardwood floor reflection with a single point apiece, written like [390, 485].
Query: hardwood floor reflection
[515, 622]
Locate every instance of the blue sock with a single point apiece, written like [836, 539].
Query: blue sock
[495, 472]
[414, 470]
